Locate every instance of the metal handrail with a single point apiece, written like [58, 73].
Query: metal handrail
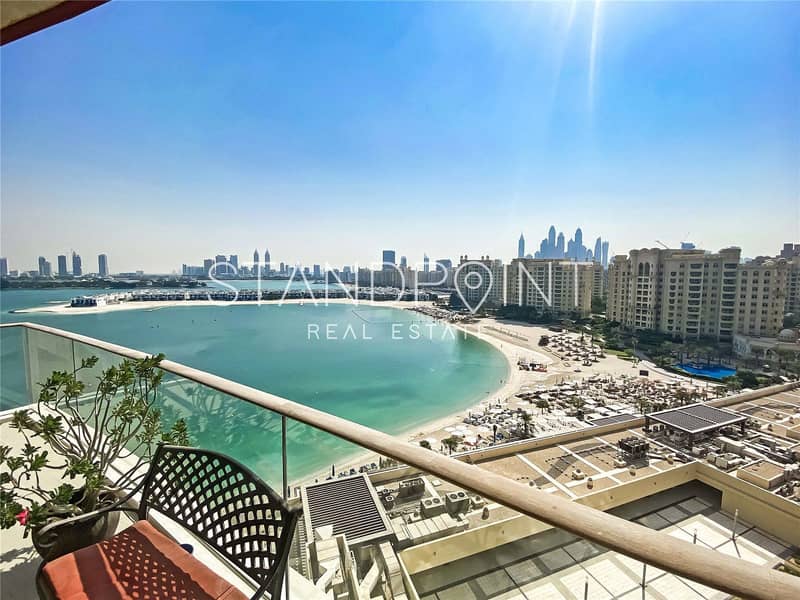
[705, 566]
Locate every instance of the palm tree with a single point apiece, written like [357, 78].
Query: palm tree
[526, 419]
[451, 443]
[542, 405]
[732, 383]
[681, 395]
[642, 404]
[784, 356]
[425, 444]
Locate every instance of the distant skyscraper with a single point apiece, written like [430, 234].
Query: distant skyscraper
[283, 268]
[3, 267]
[388, 258]
[521, 247]
[256, 261]
[317, 272]
[605, 255]
[208, 264]
[426, 263]
[221, 267]
[77, 271]
[403, 261]
[102, 265]
[62, 265]
[554, 246]
[267, 261]
[42, 266]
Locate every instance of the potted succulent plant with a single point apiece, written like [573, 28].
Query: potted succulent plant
[103, 440]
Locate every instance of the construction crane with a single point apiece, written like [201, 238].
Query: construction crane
[663, 244]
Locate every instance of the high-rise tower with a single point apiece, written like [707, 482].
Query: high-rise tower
[521, 247]
[77, 271]
[62, 265]
[102, 265]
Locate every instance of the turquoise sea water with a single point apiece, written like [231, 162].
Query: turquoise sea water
[383, 378]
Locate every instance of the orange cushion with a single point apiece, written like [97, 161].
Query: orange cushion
[139, 563]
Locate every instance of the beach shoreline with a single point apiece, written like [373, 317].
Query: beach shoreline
[509, 383]
[499, 334]
[66, 309]
[516, 341]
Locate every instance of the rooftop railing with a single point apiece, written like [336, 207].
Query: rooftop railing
[288, 443]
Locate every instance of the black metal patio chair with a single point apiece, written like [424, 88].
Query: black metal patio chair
[224, 504]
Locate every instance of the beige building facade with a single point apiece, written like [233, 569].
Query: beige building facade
[480, 282]
[558, 287]
[761, 297]
[793, 286]
[693, 293]
[684, 293]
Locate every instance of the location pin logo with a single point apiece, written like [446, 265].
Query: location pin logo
[476, 284]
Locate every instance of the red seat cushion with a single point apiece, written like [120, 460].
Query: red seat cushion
[139, 563]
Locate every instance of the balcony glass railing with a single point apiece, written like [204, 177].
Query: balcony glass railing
[491, 524]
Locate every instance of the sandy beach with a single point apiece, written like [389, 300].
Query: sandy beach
[514, 340]
[66, 309]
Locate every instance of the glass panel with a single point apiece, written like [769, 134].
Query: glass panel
[386, 529]
[217, 421]
[91, 376]
[14, 390]
[410, 532]
[46, 353]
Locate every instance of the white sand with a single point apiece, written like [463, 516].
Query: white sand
[515, 340]
[66, 309]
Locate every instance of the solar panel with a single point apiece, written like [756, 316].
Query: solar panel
[716, 415]
[612, 419]
[349, 505]
[696, 417]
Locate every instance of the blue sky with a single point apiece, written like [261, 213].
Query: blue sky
[162, 133]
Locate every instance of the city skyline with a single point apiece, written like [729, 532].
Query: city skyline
[385, 257]
[529, 123]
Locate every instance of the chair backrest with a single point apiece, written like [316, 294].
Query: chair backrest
[227, 506]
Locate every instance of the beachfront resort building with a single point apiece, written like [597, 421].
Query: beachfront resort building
[761, 297]
[694, 293]
[559, 287]
[480, 281]
[793, 286]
